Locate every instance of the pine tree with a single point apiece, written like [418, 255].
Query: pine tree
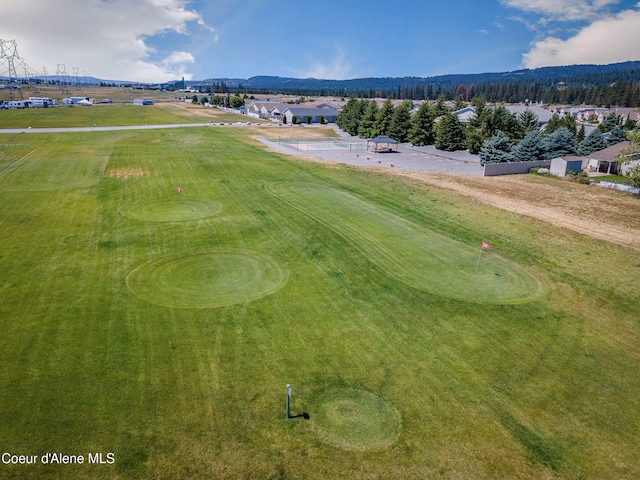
[383, 120]
[609, 123]
[401, 122]
[529, 148]
[422, 129]
[581, 134]
[592, 143]
[617, 136]
[496, 150]
[366, 128]
[529, 120]
[450, 134]
[558, 144]
[349, 118]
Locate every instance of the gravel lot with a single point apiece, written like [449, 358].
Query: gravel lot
[421, 159]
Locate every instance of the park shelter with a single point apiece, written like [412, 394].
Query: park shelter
[382, 144]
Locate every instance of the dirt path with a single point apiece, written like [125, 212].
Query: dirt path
[593, 211]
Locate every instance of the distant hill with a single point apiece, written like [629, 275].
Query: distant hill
[584, 75]
[613, 84]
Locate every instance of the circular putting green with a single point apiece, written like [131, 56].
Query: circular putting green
[415, 255]
[355, 419]
[207, 279]
[172, 211]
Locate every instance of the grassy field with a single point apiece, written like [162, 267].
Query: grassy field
[163, 325]
[108, 115]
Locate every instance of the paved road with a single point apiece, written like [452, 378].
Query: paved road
[101, 129]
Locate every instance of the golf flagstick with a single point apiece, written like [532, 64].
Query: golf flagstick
[482, 247]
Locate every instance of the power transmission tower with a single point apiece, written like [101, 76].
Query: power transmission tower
[62, 75]
[9, 58]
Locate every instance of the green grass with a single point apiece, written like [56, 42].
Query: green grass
[98, 115]
[164, 326]
[610, 178]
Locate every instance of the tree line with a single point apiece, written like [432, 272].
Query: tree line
[494, 133]
[620, 92]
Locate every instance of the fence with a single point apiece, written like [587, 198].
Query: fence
[621, 187]
[313, 144]
[511, 168]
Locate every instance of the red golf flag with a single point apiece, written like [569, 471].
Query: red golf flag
[486, 245]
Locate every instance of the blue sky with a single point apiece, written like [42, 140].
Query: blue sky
[161, 40]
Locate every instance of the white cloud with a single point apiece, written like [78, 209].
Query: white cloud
[609, 40]
[563, 10]
[105, 38]
[338, 68]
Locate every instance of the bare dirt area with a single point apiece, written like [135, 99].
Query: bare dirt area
[193, 110]
[127, 172]
[589, 210]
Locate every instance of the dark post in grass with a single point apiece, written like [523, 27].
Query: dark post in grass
[288, 400]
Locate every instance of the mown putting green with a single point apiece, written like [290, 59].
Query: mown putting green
[172, 211]
[209, 279]
[355, 419]
[414, 255]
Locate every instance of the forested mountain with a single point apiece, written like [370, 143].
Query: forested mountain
[617, 83]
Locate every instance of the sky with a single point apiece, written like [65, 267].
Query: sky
[163, 40]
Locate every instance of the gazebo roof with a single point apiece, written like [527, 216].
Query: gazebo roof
[383, 139]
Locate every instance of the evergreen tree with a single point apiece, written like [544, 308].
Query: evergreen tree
[422, 131]
[474, 139]
[496, 150]
[383, 120]
[617, 136]
[366, 128]
[560, 143]
[553, 124]
[401, 122]
[440, 108]
[474, 129]
[450, 134]
[529, 148]
[581, 134]
[349, 118]
[459, 104]
[501, 120]
[529, 120]
[609, 123]
[592, 143]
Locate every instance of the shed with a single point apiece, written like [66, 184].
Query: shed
[382, 144]
[561, 165]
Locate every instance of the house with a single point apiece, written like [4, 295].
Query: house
[562, 165]
[264, 109]
[466, 114]
[310, 114]
[605, 161]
